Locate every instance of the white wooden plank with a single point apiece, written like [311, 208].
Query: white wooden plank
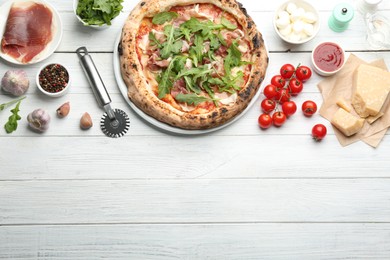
[194, 201]
[252, 241]
[170, 157]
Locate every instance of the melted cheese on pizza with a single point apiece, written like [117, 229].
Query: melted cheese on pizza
[194, 57]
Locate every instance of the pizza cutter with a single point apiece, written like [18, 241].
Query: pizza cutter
[114, 122]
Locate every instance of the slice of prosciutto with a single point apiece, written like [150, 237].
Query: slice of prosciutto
[28, 30]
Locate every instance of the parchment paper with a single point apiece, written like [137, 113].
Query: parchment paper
[340, 86]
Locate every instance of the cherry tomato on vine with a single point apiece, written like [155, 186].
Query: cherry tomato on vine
[270, 91]
[283, 96]
[265, 121]
[278, 81]
[268, 105]
[289, 108]
[287, 70]
[303, 73]
[318, 132]
[295, 86]
[279, 118]
[309, 108]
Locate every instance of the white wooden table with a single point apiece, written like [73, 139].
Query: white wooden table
[238, 193]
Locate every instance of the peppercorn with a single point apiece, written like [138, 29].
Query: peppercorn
[53, 78]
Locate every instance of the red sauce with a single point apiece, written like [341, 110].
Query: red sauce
[328, 56]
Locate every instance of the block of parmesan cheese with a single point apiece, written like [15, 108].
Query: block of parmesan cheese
[370, 89]
[347, 123]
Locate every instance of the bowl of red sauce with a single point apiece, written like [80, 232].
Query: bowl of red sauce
[328, 58]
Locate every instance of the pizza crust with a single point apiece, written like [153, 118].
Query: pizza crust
[143, 98]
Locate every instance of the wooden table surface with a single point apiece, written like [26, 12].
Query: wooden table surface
[237, 193]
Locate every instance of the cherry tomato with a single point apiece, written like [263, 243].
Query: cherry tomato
[287, 70]
[289, 108]
[318, 132]
[309, 108]
[268, 105]
[295, 86]
[279, 118]
[278, 81]
[303, 73]
[270, 91]
[265, 121]
[283, 96]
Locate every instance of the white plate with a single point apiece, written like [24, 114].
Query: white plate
[52, 45]
[160, 125]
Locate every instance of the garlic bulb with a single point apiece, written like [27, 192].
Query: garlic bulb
[15, 82]
[39, 120]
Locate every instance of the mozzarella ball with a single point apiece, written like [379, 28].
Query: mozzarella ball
[282, 23]
[291, 7]
[303, 35]
[283, 15]
[308, 29]
[286, 31]
[297, 14]
[297, 26]
[309, 17]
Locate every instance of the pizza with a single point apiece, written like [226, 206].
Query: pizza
[192, 64]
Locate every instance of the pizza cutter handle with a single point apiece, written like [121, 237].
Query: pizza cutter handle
[93, 77]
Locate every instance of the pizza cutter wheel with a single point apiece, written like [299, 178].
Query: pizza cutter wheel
[114, 122]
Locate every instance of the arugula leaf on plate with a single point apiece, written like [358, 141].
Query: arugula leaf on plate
[225, 22]
[233, 58]
[191, 85]
[166, 78]
[191, 98]
[204, 27]
[164, 17]
[173, 43]
[154, 41]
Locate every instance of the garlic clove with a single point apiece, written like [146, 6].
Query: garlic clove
[86, 121]
[63, 110]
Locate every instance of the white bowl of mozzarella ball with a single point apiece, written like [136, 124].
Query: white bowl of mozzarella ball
[296, 21]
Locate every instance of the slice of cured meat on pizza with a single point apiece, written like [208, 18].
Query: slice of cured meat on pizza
[28, 31]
